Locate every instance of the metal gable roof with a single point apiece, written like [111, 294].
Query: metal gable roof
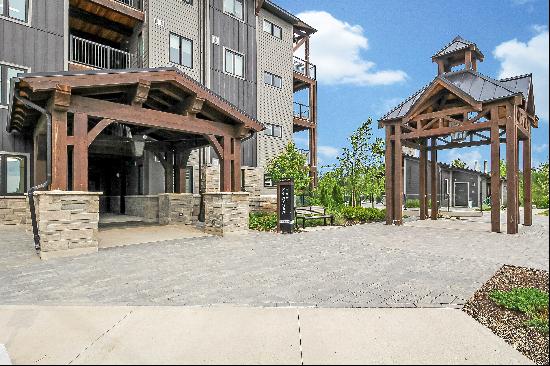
[480, 87]
[457, 44]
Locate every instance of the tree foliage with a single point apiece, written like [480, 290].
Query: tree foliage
[540, 186]
[291, 163]
[458, 163]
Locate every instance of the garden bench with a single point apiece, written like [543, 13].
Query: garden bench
[313, 213]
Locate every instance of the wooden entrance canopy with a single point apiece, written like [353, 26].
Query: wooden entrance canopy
[463, 109]
[162, 103]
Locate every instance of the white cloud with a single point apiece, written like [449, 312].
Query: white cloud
[469, 157]
[328, 152]
[517, 58]
[336, 50]
[540, 148]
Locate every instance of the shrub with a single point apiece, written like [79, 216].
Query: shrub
[412, 203]
[263, 221]
[363, 214]
[530, 301]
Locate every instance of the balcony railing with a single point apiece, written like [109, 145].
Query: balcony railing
[301, 111]
[136, 4]
[305, 68]
[97, 55]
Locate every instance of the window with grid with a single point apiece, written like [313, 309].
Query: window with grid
[181, 50]
[273, 29]
[234, 63]
[7, 72]
[234, 8]
[273, 80]
[15, 9]
[13, 175]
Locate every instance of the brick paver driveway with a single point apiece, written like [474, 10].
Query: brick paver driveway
[421, 264]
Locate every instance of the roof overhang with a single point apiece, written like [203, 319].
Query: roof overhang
[171, 91]
[298, 24]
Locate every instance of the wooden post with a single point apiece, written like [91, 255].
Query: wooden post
[433, 180]
[225, 167]
[398, 176]
[527, 195]
[59, 105]
[169, 172]
[423, 169]
[389, 176]
[511, 172]
[237, 173]
[80, 152]
[495, 172]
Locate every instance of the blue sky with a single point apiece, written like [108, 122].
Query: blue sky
[374, 54]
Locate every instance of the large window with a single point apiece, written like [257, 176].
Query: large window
[273, 29]
[6, 73]
[181, 50]
[234, 8]
[273, 80]
[13, 175]
[234, 63]
[16, 9]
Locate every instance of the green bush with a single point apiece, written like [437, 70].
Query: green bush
[263, 221]
[530, 301]
[412, 203]
[363, 214]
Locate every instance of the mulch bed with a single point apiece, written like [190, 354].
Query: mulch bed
[508, 324]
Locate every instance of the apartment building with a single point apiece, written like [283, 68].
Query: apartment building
[240, 51]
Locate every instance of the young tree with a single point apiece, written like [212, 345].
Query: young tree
[291, 163]
[375, 177]
[541, 186]
[458, 163]
[354, 160]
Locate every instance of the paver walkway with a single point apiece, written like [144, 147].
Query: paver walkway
[242, 335]
[422, 264]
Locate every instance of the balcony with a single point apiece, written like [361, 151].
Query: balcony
[98, 56]
[305, 68]
[302, 117]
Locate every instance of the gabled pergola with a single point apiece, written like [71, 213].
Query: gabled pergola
[175, 111]
[456, 110]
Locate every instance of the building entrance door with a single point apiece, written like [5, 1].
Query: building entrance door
[461, 194]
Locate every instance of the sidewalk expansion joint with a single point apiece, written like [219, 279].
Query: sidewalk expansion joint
[101, 336]
[300, 337]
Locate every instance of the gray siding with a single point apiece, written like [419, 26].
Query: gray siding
[274, 105]
[37, 46]
[239, 36]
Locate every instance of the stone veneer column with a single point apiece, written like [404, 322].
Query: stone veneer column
[179, 208]
[226, 213]
[67, 223]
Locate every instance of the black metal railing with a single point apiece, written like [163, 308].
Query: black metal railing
[136, 4]
[305, 68]
[97, 55]
[301, 111]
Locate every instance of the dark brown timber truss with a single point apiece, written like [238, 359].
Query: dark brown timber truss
[176, 113]
[449, 114]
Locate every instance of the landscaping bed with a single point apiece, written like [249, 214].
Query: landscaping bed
[497, 306]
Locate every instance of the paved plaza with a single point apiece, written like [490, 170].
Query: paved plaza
[422, 264]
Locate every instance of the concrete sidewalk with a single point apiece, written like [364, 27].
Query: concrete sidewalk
[229, 335]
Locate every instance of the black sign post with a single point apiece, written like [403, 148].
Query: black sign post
[285, 206]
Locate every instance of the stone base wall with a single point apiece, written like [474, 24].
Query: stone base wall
[146, 207]
[226, 213]
[67, 223]
[263, 203]
[261, 198]
[179, 208]
[211, 178]
[14, 211]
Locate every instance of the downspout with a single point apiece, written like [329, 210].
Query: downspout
[48, 181]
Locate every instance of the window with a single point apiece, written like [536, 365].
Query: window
[273, 130]
[16, 9]
[273, 80]
[234, 8]
[13, 175]
[234, 63]
[273, 29]
[188, 2]
[181, 50]
[268, 181]
[6, 73]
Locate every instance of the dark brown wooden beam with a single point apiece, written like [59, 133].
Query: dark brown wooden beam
[495, 172]
[527, 182]
[434, 180]
[423, 182]
[148, 117]
[58, 106]
[398, 178]
[80, 153]
[511, 174]
[447, 131]
[389, 175]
